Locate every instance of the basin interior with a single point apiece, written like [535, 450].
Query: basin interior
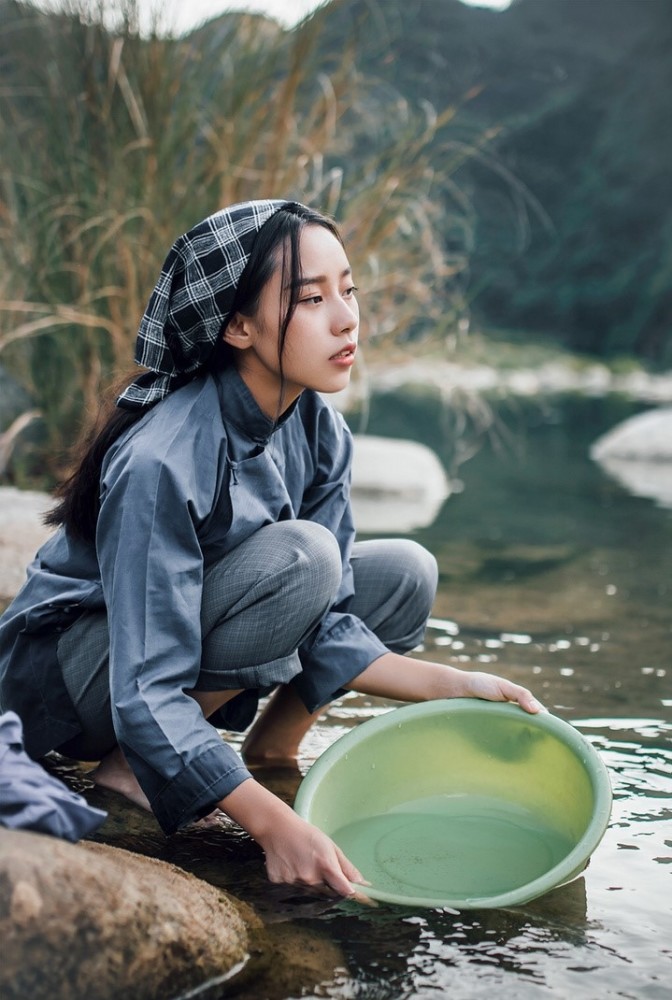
[456, 805]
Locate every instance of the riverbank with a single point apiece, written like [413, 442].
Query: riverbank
[487, 366]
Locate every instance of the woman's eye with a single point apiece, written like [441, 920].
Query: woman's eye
[349, 292]
[314, 299]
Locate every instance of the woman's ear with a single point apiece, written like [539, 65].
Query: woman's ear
[237, 332]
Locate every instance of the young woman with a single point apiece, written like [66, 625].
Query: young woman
[205, 553]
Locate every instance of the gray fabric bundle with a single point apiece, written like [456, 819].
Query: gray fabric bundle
[31, 799]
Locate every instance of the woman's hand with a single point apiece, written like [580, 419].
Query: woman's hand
[493, 688]
[297, 853]
[408, 679]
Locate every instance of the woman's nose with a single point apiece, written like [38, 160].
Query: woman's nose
[345, 318]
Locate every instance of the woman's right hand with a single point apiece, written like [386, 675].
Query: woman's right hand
[297, 853]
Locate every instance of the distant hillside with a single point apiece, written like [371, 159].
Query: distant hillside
[573, 196]
[562, 140]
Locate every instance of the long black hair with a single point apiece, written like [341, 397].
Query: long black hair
[276, 245]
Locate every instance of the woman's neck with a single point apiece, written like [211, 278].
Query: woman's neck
[272, 395]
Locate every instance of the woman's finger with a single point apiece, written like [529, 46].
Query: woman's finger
[339, 883]
[527, 701]
[352, 873]
[361, 897]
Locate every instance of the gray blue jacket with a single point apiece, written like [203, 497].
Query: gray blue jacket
[195, 476]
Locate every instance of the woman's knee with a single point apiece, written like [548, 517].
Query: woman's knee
[395, 587]
[417, 577]
[401, 566]
[286, 572]
[313, 550]
[422, 568]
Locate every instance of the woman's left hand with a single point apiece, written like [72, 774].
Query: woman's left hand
[492, 688]
[407, 679]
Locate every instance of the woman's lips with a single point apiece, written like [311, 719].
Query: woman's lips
[345, 356]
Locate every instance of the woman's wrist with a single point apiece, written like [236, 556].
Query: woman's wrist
[406, 678]
[257, 810]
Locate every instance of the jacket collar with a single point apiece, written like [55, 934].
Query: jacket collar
[240, 408]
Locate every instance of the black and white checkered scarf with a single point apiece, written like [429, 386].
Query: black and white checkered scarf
[192, 300]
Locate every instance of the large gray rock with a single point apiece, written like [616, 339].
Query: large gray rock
[89, 920]
[646, 437]
[637, 453]
[397, 485]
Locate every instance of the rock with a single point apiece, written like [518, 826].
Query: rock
[21, 534]
[637, 453]
[397, 485]
[90, 920]
[287, 958]
[646, 437]
[299, 960]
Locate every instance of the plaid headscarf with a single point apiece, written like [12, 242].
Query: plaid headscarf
[192, 299]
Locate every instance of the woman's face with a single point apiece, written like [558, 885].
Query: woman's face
[321, 340]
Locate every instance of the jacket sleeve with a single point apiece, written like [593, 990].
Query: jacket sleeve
[342, 646]
[152, 571]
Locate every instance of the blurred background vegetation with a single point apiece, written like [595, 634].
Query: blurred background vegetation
[511, 169]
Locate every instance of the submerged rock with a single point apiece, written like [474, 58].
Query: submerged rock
[91, 920]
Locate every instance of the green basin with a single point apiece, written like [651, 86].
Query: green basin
[461, 803]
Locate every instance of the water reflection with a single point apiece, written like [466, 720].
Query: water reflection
[417, 953]
[652, 480]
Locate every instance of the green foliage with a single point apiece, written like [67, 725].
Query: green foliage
[572, 220]
[603, 278]
[114, 143]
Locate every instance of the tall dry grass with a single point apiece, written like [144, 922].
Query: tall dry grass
[114, 143]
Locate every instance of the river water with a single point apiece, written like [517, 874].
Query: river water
[554, 575]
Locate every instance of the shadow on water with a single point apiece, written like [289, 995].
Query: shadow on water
[551, 574]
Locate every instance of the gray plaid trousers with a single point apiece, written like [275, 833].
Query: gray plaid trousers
[260, 601]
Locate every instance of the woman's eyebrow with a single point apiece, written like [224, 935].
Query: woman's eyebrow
[319, 279]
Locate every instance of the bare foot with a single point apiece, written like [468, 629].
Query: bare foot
[275, 737]
[114, 773]
[256, 755]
